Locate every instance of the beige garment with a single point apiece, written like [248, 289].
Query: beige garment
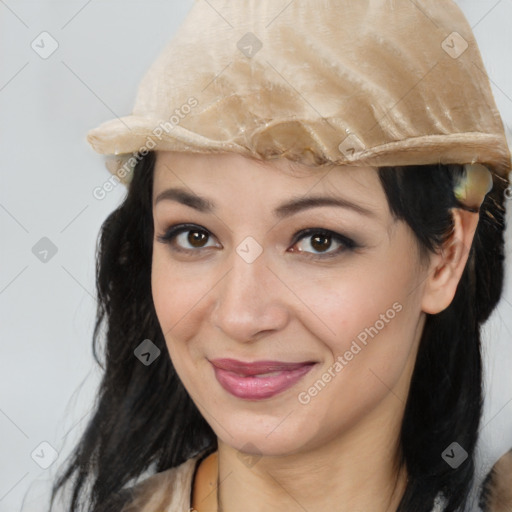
[170, 490]
[167, 491]
[344, 82]
[498, 488]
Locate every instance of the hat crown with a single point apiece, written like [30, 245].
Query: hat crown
[372, 82]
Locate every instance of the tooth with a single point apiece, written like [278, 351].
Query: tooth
[269, 374]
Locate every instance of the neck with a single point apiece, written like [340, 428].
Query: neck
[332, 479]
[359, 471]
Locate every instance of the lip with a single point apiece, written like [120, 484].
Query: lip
[244, 379]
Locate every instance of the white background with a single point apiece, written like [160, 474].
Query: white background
[48, 173]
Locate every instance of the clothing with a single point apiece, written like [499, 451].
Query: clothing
[497, 487]
[344, 82]
[167, 491]
[171, 490]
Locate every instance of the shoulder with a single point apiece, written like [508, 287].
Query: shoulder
[167, 491]
[497, 488]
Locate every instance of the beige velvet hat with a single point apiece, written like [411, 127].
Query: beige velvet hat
[344, 82]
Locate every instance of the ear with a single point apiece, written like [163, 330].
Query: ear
[446, 267]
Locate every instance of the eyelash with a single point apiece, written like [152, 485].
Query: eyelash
[347, 244]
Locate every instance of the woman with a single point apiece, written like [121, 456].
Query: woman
[295, 283]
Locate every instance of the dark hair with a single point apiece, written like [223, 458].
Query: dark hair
[445, 398]
[144, 418]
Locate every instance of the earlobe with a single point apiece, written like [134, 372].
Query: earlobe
[447, 266]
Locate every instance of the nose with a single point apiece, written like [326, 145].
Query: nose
[249, 300]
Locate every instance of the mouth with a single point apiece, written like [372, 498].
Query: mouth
[260, 379]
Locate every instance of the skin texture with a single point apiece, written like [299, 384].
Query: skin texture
[338, 450]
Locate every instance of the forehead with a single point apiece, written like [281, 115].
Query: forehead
[231, 171]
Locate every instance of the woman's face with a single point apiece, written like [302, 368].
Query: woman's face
[324, 299]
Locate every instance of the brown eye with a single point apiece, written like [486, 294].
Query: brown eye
[315, 242]
[197, 238]
[321, 242]
[186, 238]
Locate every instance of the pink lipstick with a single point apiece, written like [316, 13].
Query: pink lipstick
[259, 379]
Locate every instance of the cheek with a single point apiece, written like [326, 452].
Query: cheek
[176, 297]
[356, 303]
[177, 294]
[366, 321]
[368, 340]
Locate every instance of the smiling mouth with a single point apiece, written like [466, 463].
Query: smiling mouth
[260, 379]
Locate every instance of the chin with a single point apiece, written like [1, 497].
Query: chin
[263, 437]
[259, 446]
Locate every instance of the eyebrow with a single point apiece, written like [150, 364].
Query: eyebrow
[284, 210]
